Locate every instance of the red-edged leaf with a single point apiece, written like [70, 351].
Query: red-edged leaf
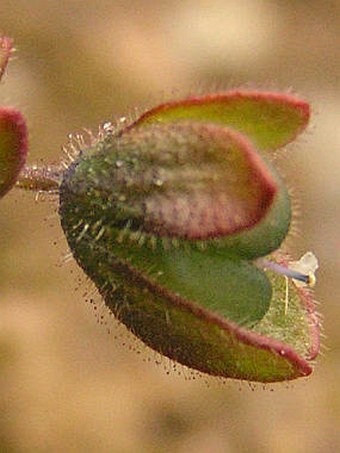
[270, 120]
[280, 347]
[223, 188]
[199, 338]
[187, 180]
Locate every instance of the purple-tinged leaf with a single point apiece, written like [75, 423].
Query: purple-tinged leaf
[186, 180]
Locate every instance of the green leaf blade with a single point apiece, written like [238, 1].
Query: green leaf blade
[232, 288]
[270, 120]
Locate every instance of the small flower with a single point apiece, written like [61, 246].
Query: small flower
[307, 265]
[302, 272]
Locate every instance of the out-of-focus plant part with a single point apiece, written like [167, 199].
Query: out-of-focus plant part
[178, 218]
[13, 132]
[13, 147]
[6, 48]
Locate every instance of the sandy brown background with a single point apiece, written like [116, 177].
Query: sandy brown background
[68, 386]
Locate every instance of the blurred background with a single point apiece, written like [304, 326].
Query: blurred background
[66, 385]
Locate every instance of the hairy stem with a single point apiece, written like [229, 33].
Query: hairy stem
[40, 179]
